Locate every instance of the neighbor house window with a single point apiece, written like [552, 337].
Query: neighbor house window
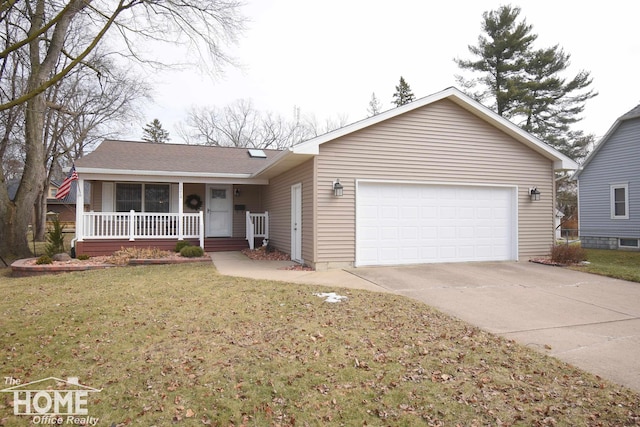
[142, 197]
[629, 243]
[620, 201]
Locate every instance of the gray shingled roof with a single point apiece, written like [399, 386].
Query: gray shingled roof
[635, 112]
[144, 156]
[70, 199]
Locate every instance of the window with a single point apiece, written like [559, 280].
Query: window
[128, 197]
[51, 194]
[628, 243]
[156, 198]
[153, 197]
[620, 201]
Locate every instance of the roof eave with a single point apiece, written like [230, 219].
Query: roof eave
[284, 161]
[128, 172]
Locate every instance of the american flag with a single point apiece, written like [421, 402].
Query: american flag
[65, 187]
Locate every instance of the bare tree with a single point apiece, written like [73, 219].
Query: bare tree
[83, 110]
[35, 44]
[241, 125]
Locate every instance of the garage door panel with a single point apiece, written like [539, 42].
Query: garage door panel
[412, 223]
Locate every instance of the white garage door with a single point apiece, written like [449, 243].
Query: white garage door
[398, 223]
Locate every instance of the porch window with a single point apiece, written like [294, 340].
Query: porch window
[156, 198]
[151, 197]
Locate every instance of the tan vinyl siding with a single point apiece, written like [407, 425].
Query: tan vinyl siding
[251, 196]
[278, 203]
[440, 142]
[96, 196]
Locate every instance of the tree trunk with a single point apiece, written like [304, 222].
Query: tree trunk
[40, 215]
[16, 217]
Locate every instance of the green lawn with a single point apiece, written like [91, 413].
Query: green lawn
[181, 344]
[619, 264]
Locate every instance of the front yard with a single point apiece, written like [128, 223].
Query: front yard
[623, 265]
[181, 344]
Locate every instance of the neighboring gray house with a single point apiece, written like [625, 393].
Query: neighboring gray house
[609, 188]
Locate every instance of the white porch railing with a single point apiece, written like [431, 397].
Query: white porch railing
[257, 225]
[142, 225]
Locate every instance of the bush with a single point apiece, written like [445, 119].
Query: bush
[192, 251]
[182, 244]
[568, 254]
[83, 257]
[55, 238]
[44, 259]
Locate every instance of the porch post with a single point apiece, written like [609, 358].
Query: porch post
[79, 209]
[132, 225]
[201, 228]
[180, 210]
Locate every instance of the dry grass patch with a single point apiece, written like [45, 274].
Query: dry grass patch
[181, 344]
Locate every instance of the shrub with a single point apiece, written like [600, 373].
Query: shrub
[55, 238]
[192, 251]
[44, 259]
[83, 257]
[568, 254]
[182, 244]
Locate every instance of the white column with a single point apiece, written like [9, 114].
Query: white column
[201, 227]
[180, 210]
[80, 210]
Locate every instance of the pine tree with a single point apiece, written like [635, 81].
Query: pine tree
[553, 104]
[153, 132]
[502, 53]
[374, 106]
[525, 85]
[403, 93]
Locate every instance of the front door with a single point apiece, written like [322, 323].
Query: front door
[296, 223]
[219, 210]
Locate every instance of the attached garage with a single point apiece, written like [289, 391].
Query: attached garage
[409, 223]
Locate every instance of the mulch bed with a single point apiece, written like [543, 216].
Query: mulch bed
[28, 267]
[262, 254]
[548, 261]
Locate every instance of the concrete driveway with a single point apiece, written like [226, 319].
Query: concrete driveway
[590, 321]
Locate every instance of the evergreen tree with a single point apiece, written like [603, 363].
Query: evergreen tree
[501, 51]
[552, 104]
[525, 85]
[403, 93]
[153, 132]
[374, 106]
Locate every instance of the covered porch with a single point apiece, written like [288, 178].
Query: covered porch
[212, 216]
[155, 195]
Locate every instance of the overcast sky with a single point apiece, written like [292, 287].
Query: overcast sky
[328, 57]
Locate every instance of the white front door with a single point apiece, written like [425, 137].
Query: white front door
[296, 223]
[219, 210]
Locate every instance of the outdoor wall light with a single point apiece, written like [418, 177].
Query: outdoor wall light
[534, 194]
[236, 192]
[338, 189]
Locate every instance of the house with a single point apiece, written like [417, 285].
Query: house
[609, 188]
[65, 209]
[442, 179]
